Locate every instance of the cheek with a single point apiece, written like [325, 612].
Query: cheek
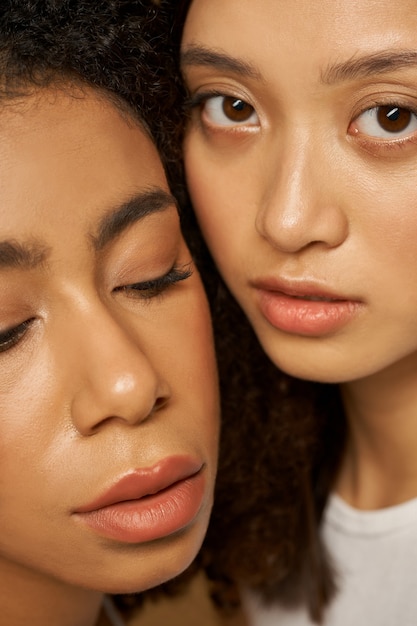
[179, 343]
[226, 187]
[208, 185]
[27, 402]
[31, 420]
[399, 231]
[193, 370]
[389, 231]
[192, 358]
[217, 207]
[28, 467]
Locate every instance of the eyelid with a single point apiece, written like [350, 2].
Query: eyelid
[10, 337]
[148, 289]
[200, 97]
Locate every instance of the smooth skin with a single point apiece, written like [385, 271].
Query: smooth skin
[301, 160]
[106, 353]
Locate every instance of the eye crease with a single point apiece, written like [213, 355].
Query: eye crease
[148, 289]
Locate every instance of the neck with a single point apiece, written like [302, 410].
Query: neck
[380, 465]
[29, 598]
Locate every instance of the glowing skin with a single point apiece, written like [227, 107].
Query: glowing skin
[308, 189]
[301, 160]
[108, 371]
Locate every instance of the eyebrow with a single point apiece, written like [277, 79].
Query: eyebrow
[196, 55]
[131, 211]
[22, 255]
[377, 63]
[30, 254]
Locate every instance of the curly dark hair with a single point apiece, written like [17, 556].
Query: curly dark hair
[119, 47]
[281, 447]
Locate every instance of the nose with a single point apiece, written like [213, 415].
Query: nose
[116, 380]
[300, 201]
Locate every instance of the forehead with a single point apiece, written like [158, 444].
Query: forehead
[63, 152]
[311, 30]
[61, 112]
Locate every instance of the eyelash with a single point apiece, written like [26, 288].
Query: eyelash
[198, 99]
[149, 289]
[11, 337]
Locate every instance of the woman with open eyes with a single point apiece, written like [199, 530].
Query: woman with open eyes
[301, 163]
[108, 386]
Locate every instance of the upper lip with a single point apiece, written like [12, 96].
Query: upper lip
[141, 482]
[299, 289]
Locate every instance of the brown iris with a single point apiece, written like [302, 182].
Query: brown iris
[393, 119]
[236, 110]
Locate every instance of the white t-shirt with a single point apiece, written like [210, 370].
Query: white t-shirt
[375, 553]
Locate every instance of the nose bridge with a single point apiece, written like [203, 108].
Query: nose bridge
[115, 378]
[300, 204]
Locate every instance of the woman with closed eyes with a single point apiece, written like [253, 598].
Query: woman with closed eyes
[108, 387]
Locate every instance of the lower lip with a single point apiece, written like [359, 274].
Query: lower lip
[306, 317]
[152, 517]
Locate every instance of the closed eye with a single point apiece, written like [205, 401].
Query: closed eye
[148, 289]
[11, 337]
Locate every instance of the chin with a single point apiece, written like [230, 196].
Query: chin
[151, 565]
[317, 366]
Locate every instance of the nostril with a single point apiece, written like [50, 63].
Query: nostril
[160, 403]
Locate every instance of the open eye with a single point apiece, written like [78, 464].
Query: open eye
[228, 111]
[386, 122]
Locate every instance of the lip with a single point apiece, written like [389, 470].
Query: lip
[304, 308]
[148, 503]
